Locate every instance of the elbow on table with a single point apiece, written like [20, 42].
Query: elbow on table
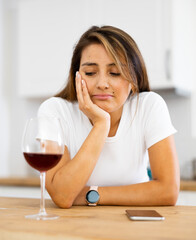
[63, 198]
[171, 194]
[62, 201]
[172, 199]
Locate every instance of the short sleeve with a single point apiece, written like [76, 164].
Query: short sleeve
[157, 121]
[50, 108]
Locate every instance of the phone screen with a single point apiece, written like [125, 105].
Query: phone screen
[144, 215]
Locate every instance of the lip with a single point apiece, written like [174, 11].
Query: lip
[102, 96]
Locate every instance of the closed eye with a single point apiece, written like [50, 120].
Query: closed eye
[114, 74]
[90, 73]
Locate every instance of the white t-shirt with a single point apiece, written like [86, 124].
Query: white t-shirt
[123, 161]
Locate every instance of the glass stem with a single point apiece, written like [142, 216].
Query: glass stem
[42, 201]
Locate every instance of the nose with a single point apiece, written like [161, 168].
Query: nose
[102, 82]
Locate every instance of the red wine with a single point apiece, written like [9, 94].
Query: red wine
[42, 162]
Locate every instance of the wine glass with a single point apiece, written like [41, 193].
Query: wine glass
[43, 147]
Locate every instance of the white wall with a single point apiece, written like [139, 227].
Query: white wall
[13, 110]
[180, 112]
[4, 104]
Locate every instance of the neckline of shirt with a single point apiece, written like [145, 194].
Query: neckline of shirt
[121, 123]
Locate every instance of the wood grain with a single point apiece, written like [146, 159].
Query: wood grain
[35, 182]
[20, 181]
[101, 222]
[187, 185]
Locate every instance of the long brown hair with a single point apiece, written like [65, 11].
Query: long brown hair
[121, 47]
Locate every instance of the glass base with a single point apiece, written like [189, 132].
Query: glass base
[44, 216]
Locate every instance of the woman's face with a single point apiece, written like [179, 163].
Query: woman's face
[107, 88]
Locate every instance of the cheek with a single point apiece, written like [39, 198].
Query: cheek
[125, 87]
[89, 85]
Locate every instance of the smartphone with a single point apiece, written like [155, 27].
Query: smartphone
[144, 215]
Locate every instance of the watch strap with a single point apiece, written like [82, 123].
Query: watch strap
[95, 188]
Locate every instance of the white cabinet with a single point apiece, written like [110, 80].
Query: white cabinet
[48, 30]
[184, 45]
[187, 198]
[148, 22]
[22, 192]
[184, 51]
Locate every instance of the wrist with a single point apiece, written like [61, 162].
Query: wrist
[92, 196]
[104, 125]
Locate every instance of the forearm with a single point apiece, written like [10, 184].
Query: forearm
[70, 179]
[149, 193]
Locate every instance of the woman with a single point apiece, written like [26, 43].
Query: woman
[113, 125]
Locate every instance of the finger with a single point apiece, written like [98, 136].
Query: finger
[86, 96]
[79, 88]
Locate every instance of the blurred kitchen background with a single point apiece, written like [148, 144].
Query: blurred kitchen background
[36, 41]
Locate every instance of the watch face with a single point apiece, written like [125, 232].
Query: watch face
[92, 196]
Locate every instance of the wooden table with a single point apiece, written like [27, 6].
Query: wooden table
[101, 222]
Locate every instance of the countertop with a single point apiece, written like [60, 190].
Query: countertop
[101, 222]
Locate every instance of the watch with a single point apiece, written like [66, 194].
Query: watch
[92, 196]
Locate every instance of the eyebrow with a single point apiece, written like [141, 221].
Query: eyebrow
[95, 64]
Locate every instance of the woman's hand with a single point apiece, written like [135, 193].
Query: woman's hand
[91, 110]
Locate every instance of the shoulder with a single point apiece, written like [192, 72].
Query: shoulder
[57, 104]
[147, 104]
[150, 97]
[54, 101]
[149, 100]
[152, 107]
[50, 104]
